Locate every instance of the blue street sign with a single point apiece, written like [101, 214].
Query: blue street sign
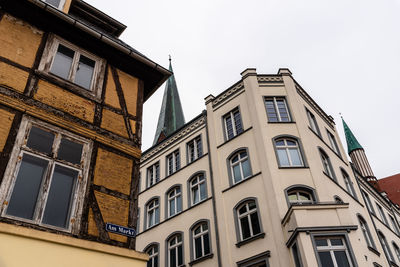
[121, 230]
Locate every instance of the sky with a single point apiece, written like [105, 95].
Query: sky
[345, 54]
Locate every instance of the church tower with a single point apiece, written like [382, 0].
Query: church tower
[171, 115]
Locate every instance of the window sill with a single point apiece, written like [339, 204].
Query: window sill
[250, 239]
[281, 122]
[242, 181]
[374, 250]
[203, 258]
[393, 264]
[228, 140]
[293, 167]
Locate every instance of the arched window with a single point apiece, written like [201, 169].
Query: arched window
[239, 166]
[153, 256]
[175, 250]
[248, 219]
[174, 201]
[198, 190]
[200, 240]
[300, 195]
[386, 247]
[396, 251]
[153, 212]
[288, 153]
[348, 183]
[326, 163]
[367, 234]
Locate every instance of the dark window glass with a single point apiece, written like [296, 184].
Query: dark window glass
[245, 228]
[198, 250]
[326, 260]
[206, 244]
[271, 112]
[180, 255]
[84, 72]
[172, 258]
[229, 128]
[54, 3]
[62, 62]
[59, 200]
[70, 151]
[321, 242]
[255, 223]
[341, 259]
[296, 255]
[27, 186]
[40, 140]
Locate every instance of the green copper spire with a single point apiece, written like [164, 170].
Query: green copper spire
[352, 143]
[171, 114]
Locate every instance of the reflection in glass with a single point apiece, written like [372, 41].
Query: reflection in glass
[70, 151]
[62, 62]
[84, 72]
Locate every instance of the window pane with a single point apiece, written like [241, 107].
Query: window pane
[155, 261]
[336, 242]
[202, 191]
[55, 3]
[229, 129]
[283, 158]
[84, 73]
[255, 223]
[244, 224]
[157, 215]
[62, 62]
[198, 248]
[295, 156]
[238, 123]
[341, 259]
[40, 140]
[236, 174]
[282, 110]
[326, 259]
[70, 151]
[206, 244]
[179, 204]
[304, 196]
[172, 258]
[246, 168]
[296, 256]
[59, 199]
[292, 197]
[172, 207]
[321, 242]
[180, 256]
[195, 191]
[27, 186]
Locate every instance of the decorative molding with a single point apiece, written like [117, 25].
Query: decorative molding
[228, 93]
[269, 79]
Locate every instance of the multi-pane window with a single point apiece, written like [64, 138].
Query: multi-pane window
[153, 256]
[240, 166]
[396, 251]
[233, 124]
[153, 213]
[386, 247]
[248, 220]
[365, 230]
[382, 214]
[332, 251]
[175, 251]
[198, 189]
[333, 143]
[173, 162]
[296, 255]
[326, 163]
[277, 110]
[394, 224]
[153, 174]
[56, 3]
[174, 201]
[368, 202]
[194, 149]
[300, 196]
[48, 174]
[348, 183]
[201, 240]
[288, 152]
[313, 122]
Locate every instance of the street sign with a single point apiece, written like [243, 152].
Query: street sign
[120, 230]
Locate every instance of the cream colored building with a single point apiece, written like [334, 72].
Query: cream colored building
[260, 178]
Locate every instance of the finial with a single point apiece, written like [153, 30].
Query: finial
[169, 58]
[341, 115]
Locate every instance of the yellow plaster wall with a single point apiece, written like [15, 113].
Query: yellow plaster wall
[13, 77]
[129, 86]
[113, 171]
[19, 41]
[92, 227]
[133, 126]
[114, 210]
[61, 99]
[6, 119]
[114, 123]
[111, 96]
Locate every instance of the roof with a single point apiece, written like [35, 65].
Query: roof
[391, 185]
[171, 115]
[352, 143]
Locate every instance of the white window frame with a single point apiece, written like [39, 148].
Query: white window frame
[247, 215]
[195, 145]
[60, 5]
[332, 141]
[49, 55]
[367, 234]
[201, 235]
[153, 253]
[177, 196]
[297, 191]
[153, 174]
[240, 163]
[368, 202]
[13, 166]
[151, 212]
[175, 247]
[200, 181]
[349, 184]
[286, 148]
[313, 122]
[332, 248]
[394, 224]
[173, 162]
[327, 165]
[382, 214]
[235, 130]
[386, 247]
[278, 114]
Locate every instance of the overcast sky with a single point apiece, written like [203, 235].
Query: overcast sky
[345, 54]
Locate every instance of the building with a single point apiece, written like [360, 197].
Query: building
[391, 185]
[260, 178]
[71, 96]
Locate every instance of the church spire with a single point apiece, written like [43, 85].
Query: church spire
[352, 143]
[171, 115]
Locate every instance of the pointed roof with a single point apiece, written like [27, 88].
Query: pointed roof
[352, 143]
[171, 115]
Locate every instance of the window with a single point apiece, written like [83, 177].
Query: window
[386, 247]
[332, 140]
[198, 189]
[396, 251]
[56, 3]
[153, 256]
[368, 202]
[332, 251]
[365, 230]
[248, 220]
[277, 110]
[288, 152]
[46, 176]
[173, 162]
[260, 260]
[174, 201]
[201, 240]
[299, 195]
[232, 124]
[296, 255]
[348, 183]
[175, 251]
[194, 149]
[239, 166]
[153, 213]
[313, 122]
[153, 174]
[326, 163]
[382, 214]
[394, 224]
